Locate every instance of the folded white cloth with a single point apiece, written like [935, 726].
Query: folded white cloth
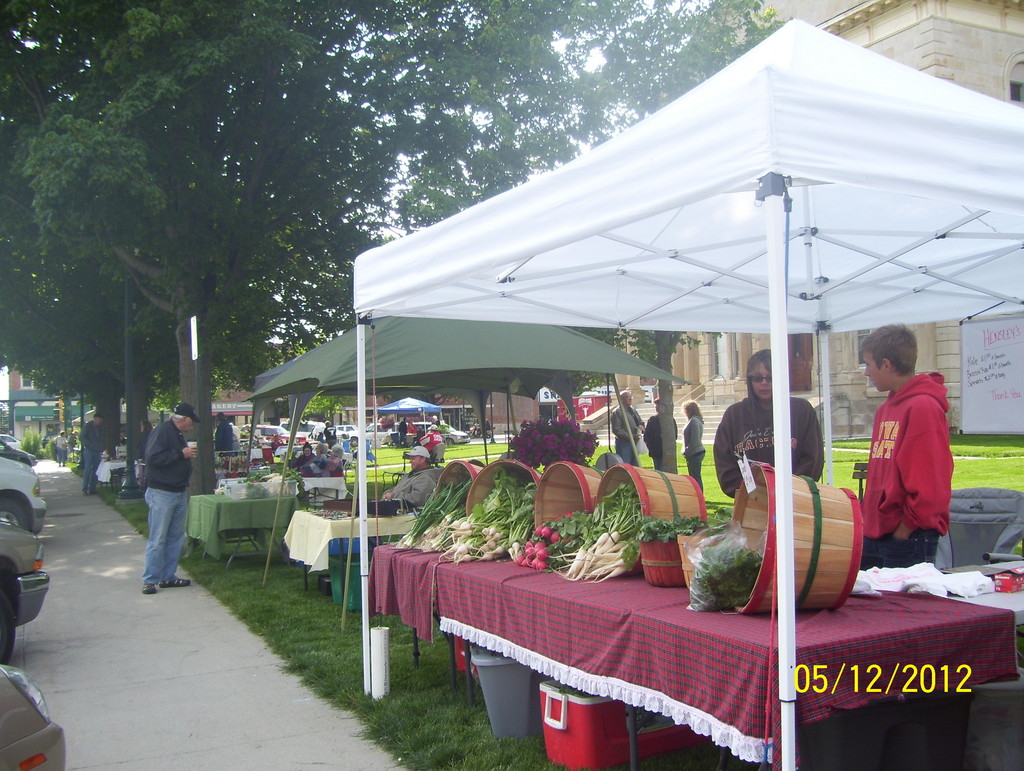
[924, 577]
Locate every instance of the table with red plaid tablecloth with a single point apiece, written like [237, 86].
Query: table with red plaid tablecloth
[714, 671]
[402, 584]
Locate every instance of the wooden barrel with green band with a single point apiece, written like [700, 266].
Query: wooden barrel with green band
[664, 495]
[827, 539]
[483, 482]
[565, 487]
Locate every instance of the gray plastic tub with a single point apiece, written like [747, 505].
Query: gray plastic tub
[511, 693]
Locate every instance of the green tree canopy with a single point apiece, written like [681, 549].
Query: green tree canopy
[233, 158]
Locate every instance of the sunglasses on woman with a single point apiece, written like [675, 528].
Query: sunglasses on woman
[760, 378]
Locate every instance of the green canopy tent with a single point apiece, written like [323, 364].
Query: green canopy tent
[446, 356]
[471, 358]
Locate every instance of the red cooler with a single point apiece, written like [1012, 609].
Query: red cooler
[590, 731]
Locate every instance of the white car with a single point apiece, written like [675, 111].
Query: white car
[20, 504]
[451, 435]
[10, 441]
[317, 433]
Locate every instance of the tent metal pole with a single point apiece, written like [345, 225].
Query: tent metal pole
[361, 459]
[775, 198]
[825, 358]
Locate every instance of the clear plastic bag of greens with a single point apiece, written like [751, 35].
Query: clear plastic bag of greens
[725, 568]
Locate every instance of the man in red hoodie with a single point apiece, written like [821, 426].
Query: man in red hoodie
[910, 469]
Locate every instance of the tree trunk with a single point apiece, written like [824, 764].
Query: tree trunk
[665, 345]
[195, 389]
[140, 412]
[109, 407]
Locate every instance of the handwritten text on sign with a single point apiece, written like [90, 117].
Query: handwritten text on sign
[992, 375]
[990, 369]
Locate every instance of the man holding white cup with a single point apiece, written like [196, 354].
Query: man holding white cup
[168, 470]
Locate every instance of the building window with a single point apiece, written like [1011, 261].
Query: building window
[860, 340]
[723, 358]
[26, 383]
[1017, 83]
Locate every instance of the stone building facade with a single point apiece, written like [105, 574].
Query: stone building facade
[978, 44]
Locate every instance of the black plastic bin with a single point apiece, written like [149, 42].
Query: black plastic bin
[922, 734]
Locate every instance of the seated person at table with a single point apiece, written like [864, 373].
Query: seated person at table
[306, 456]
[342, 448]
[323, 466]
[412, 490]
[433, 440]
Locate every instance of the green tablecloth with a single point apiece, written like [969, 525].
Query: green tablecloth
[212, 517]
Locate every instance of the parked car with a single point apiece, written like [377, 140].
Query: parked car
[303, 433]
[270, 436]
[8, 439]
[13, 453]
[20, 504]
[23, 584]
[451, 435]
[28, 736]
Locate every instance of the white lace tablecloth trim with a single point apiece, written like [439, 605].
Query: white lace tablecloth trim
[742, 746]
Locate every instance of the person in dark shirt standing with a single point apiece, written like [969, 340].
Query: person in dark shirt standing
[224, 436]
[652, 435]
[626, 421]
[748, 429]
[92, 446]
[168, 470]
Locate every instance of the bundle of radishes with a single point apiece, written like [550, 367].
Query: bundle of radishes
[505, 516]
[584, 546]
[547, 547]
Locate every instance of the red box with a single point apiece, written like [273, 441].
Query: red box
[590, 731]
[460, 653]
[1011, 580]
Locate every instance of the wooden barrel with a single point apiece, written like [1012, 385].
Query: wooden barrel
[684, 558]
[661, 494]
[565, 487]
[456, 473]
[827, 539]
[661, 563]
[483, 483]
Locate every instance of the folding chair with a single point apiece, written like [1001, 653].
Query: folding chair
[860, 473]
[437, 455]
[984, 522]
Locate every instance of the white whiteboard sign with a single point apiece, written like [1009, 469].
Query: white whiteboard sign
[992, 375]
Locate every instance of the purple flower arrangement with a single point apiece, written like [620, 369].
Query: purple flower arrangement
[543, 442]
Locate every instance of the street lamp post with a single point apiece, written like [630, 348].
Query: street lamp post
[130, 490]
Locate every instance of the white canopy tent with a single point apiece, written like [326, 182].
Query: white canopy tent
[907, 206]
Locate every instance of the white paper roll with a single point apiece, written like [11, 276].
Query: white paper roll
[380, 662]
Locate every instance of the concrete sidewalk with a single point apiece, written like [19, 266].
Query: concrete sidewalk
[168, 681]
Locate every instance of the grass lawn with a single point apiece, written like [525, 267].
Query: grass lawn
[421, 721]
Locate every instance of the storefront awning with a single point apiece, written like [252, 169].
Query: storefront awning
[31, 412]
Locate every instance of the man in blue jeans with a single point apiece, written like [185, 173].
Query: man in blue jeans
[626, 421]
[92, 447]
[910, 469]
[168, 469]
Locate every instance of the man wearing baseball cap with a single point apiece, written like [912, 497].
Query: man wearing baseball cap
[168, 470]
[413, 489]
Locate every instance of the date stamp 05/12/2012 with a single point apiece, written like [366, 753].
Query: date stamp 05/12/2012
[882, 679]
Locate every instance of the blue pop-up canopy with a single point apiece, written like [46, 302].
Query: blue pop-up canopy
[409, 405]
